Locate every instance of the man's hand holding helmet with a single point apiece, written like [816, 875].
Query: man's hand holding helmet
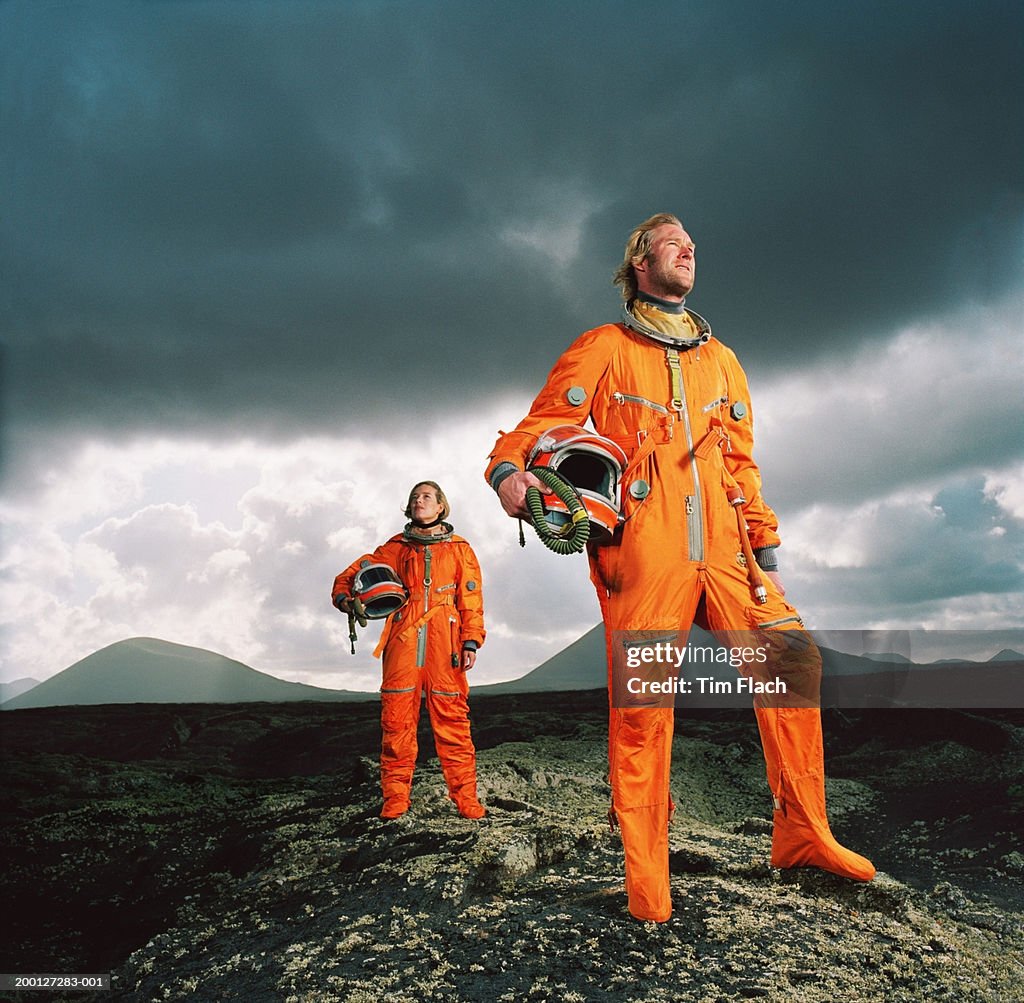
[512, 493]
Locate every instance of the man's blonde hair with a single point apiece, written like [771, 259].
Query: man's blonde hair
[637, 248]
[446, 509]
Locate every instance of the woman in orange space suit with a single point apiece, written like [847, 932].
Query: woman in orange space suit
[429, 644]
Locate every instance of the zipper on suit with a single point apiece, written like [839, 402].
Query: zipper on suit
[715, 403]
[694, 536]
[771, 624]
[621, 398]
[694, 508]
[421, 634]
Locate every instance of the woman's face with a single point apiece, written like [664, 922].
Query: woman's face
[423, 504]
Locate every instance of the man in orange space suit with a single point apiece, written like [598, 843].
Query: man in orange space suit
[675, 400]
[427, 580]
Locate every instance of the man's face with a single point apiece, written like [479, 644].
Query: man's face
[423, 504]
[670, 268]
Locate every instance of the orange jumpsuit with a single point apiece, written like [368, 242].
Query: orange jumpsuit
[683, 419]
[422, 644]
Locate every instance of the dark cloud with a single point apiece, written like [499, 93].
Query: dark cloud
[961, 546]
[243, 216]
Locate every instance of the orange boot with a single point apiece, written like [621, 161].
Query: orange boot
[395, 785]
[467, 802]
[394, 807]
[794, 757]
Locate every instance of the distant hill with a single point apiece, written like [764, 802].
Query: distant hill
[583, 665]
[1007, 655]
[868, 680]
[580, 666]
[149, 670]
[8, 691]
[888, 657]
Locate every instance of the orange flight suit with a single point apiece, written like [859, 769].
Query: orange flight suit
[683, 419]
[422, 644]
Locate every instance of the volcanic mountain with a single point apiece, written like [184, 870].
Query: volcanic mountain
[8, 691]
[148, 670]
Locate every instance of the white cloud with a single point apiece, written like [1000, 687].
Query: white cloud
[1006, 489]
[242, 559]
[944, 557]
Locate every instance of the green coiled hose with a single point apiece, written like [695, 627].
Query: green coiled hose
[572, 538]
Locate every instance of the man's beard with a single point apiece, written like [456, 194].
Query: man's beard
[667, 281]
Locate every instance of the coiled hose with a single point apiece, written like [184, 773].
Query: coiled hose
[571, 538]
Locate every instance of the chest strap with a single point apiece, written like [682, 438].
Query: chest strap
[676, 377]
[409, 628]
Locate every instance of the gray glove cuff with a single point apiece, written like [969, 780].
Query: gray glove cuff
[500, 472]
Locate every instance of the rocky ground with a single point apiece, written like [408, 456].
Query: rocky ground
[212, 853]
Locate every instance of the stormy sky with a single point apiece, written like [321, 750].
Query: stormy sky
[266, 264]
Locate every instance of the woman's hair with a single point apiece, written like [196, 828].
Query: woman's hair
[637, 248]
[446, 509]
